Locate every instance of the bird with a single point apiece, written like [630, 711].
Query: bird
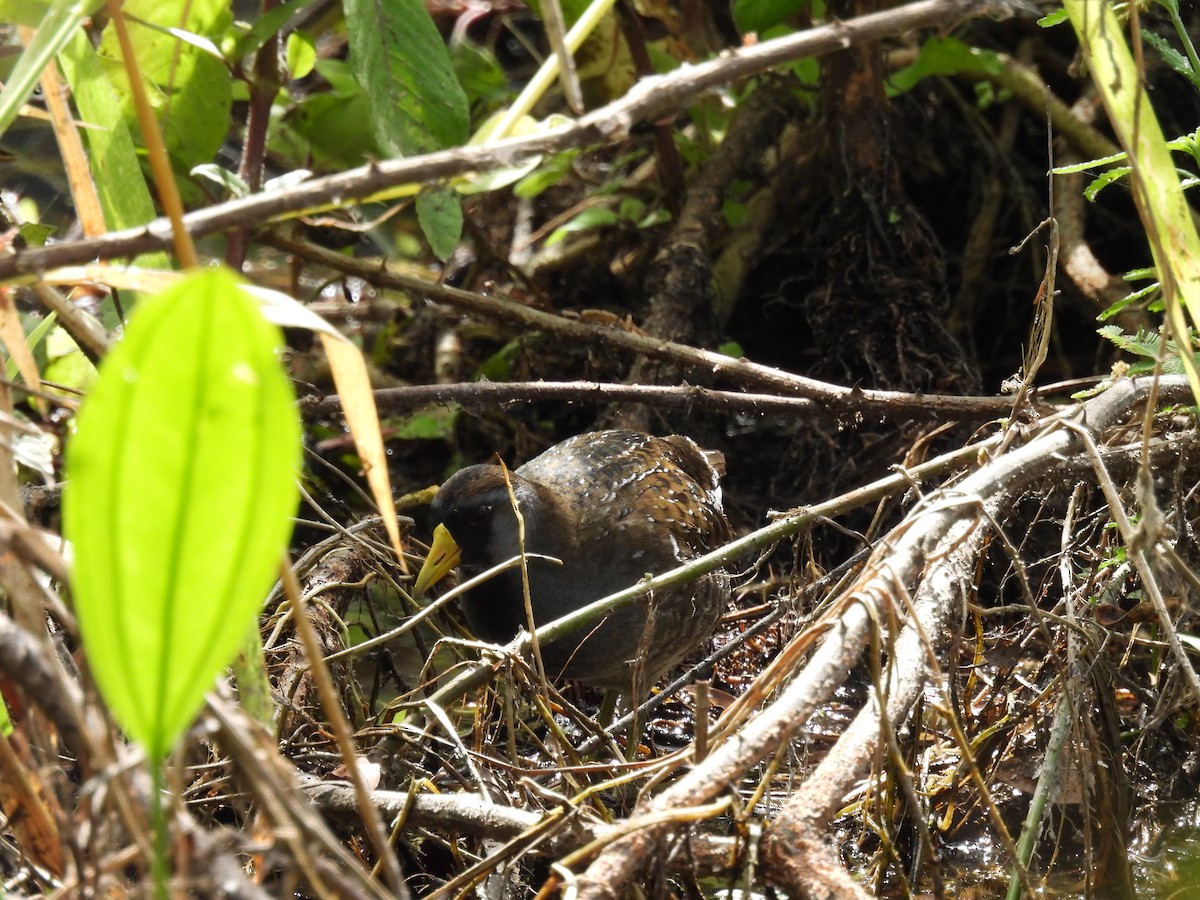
[611, 506]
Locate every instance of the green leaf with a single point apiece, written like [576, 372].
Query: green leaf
[943, 56]
[631, 208]
[592, 217]
[759, 15]
[329, 125]
[35, 234]
[301, 54]
[54, 31]
[654, 218]
[1100, 182]
[498, 366]
[434, 424]
[1129, 299]
[553, 171]
[1172, 57]
[266, 25]
[182, 484]
[1089, 164]
[24, 12]
[1051, 19]
[34, 338]
[190, 89]
[66, 364]
[229, 181]
[440, 214]
[1145, 344]
[116, 172]
[417, 105]
[734, 212]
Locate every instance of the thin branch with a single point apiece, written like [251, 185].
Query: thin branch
[835, 399]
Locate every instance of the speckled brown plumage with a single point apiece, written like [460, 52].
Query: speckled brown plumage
[613, 506]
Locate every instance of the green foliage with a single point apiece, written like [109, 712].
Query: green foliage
[943, 56]
[57, 23]
[588, 219]
[417, 104]
[1172, 57]
[441, 218]
[548, 174]
[630, 212]
[328, 126]
[1187, 143]
[1054, 18]
[482, 78]
[35, 234]
[1146, 345]
[301, 54]
[1142, 344]
[758, 15]
[1186, 63]
[124, 197]
[187, 82]
[66, 364]
[264, 27]
[498, 366]
[1162, 206]
[179, 503]
[433, 424]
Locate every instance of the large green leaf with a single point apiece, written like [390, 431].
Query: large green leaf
[417, 104]
[189, 87]
[181, 485]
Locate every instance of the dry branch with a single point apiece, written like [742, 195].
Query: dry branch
[835, 399]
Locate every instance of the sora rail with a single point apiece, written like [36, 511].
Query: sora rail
[612, 506]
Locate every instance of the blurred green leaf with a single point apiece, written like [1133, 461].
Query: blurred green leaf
[179, 500]
[265, 26]
[301, 54]
[55, 27]
[758, 15]
[227, 179]
[35, 234]
[189, 88]
[550, 173]
[124, 197]
[66, 364]
[328, 126]
[440, 214]
[431, 425]
[592, 217]
[631, 208]
[943, 56]
[498, 366]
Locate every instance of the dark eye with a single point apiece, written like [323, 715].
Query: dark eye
[476, 515]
